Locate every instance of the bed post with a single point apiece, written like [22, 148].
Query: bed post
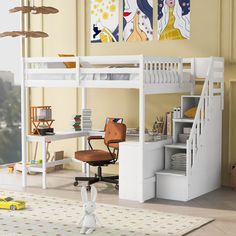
[23, 126]
[193, 76]
[85, 167]
[23, 106]
[141, 129]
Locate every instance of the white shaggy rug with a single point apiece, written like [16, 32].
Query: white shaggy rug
[59, 217]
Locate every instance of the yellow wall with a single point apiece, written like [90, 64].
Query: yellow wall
[213, 33]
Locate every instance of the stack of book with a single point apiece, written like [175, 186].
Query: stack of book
[86, 119]
[178, 162]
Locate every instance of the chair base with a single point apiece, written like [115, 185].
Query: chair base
[97, 178]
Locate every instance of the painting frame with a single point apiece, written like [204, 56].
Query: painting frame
[137, 20]
[104, 21]
[173, 19]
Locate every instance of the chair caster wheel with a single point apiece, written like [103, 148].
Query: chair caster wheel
[117, 186]
[76, 183]
[88, 188]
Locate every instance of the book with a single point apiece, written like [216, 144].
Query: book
[169, 118]
[164, 131]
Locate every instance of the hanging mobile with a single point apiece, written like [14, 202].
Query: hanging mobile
[26, 10]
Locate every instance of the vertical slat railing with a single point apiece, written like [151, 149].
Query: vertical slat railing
[163, 70]
[189, 157]
[206, 101]
[152, 72]
[77, 77]
[180, 71]
[202, 115]
[156, 74]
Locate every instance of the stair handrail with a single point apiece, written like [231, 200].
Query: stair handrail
[200, 117]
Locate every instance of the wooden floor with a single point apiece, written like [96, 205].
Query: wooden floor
[220, 204]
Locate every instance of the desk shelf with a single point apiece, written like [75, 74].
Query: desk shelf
[39, 168]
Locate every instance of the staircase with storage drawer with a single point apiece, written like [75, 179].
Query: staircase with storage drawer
[201, 171]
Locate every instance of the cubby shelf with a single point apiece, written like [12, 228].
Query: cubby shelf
[171, 172]
[177, 146]
[183, 120]
[187, 102]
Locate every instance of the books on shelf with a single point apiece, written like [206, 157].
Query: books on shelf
[168, 120]
[86, 119]
[168, 126]
[169, 123]
[87, 112]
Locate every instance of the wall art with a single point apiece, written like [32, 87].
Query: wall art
[173, 19]
[104, 21]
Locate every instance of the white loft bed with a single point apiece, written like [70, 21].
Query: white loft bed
[153, 74]
[150, 75]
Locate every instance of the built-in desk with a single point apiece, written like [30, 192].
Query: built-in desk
[51, 138]
[137, 175]
[133, 170]
[43, 140]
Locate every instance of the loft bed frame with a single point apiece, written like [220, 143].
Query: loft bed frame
[150, 75]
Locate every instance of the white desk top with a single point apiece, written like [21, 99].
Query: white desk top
[62, 135]
[157, 143]
[131, 139]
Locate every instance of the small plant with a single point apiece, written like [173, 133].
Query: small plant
[77, 124]
[158, 125]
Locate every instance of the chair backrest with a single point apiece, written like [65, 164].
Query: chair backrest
[115, 131]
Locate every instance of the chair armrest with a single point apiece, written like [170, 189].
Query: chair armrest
[115, 141]
[95, 138]
[90, 138]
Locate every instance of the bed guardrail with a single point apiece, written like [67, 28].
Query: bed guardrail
[50, 65]
[163, 70]
[156, 70]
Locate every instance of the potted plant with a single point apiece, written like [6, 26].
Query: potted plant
[77, 124]
[77, 118]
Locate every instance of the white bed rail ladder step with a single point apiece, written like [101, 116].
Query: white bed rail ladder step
[203, 148]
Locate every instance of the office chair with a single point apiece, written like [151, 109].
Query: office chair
[114, 134]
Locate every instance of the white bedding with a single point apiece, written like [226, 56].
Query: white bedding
[109, 77]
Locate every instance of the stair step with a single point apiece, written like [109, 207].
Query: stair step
[184, 120]
[172, 185]
[191, 96]
[177, 145]
[199, 81]
[171, 172]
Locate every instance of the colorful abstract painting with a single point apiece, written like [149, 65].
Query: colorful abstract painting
[104, 21]
[138, 20]
[173, 19]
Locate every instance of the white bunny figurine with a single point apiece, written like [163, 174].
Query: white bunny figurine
[89, 220]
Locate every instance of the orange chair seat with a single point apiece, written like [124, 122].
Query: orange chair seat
[93, 156]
